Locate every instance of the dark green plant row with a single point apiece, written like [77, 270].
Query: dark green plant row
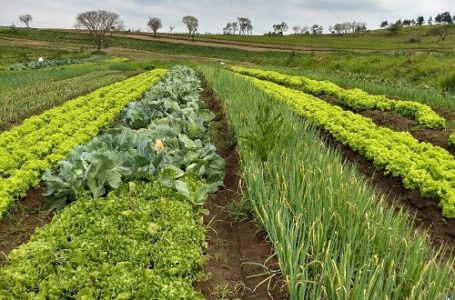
[54, 62]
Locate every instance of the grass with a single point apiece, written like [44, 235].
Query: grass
[335, 237]
[411, 66]
[377, 39]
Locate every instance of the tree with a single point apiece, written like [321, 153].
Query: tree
[444, 18]
[359, 27]
[245, 25]
[316, 29]
[98, 23]
[430, 21]
[280, 28]
[154, 23]
[296, 29]
[171, 29]
[384, 24]
[305, 30]
[192, 23]
[395, 27]
[26, 19]
[420, 20]
[443, 31]
[234, 27]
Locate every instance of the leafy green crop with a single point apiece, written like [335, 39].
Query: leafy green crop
[41, 141]
[145, 239]
[354, 98]
[142, 241]
[170, 135]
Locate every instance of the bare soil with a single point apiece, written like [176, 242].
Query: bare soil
[236, 249]
[17, 227]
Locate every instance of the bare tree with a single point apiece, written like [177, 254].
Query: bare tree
[26, 19]
[296, 29]
[98, 23]
[154, 23]
[443, 31]
[171, 29]
[192, 23]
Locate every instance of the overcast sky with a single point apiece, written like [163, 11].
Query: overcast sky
[214, 14]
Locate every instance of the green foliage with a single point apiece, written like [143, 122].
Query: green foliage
[420, 165]
[334, 237]
[54, 62]
[448, 83]
[263, 138]
[41, 141]
[354, 98]
[172, 136]
[142, 241]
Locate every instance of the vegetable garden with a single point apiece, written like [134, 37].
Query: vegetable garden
[128, 170]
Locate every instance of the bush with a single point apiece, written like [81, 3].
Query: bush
[448, 82]
[414, 39]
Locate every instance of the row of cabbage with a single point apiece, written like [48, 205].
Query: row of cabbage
[144, 239]
[54, 62]
[420, 165]
[355, 99]
[41, 141]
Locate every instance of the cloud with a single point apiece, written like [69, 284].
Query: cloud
[214, 14]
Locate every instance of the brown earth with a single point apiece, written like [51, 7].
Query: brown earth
[236, 249]
[17, 227]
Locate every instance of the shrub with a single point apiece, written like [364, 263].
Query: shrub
[448, 82]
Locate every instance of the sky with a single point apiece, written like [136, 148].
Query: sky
[214, 14]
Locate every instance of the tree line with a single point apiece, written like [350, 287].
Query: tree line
[445, 21]
[99, 22]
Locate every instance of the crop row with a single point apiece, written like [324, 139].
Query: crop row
[356, 99]
[145, 238]
[41, 141]
[54, 62]
[421, 165]
[34, 98]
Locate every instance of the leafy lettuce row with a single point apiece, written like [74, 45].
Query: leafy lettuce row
[420, 165]
[356, 99]
[164, 134]
[142, 241]
[41, 141]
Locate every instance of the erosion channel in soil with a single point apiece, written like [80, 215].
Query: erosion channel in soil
[236, 249]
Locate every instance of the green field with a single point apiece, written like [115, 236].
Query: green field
[401, 65]
[321, 172]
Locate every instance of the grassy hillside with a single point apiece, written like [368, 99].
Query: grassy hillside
[421, 68]
[409, 38]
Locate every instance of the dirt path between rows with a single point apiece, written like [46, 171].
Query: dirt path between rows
[236, 249]
[22, 220]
